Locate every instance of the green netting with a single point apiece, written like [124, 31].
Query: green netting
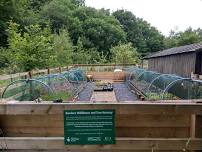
[63, 89]
[184, 89]
[61, 86]
[26, 90]
[76, 77]
[142, 78]
[80, 75]
[157, 86]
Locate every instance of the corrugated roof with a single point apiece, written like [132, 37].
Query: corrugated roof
[176, 50]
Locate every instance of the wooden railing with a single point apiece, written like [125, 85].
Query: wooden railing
[7, 79]
[89, 67]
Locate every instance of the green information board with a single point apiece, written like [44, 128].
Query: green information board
[88, 127]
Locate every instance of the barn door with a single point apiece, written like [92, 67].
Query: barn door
[199, 63]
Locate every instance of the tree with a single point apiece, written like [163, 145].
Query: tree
[36, 5]
[31, 49]
[79, 2]
[140, 33]
[96, 28]
[102, 35]
[80, 54]
[189, 36]
[9, 9]
[3, 58]
[60, 15]
[63, 48]
[90, 56]
[124, 54]
[21, 12]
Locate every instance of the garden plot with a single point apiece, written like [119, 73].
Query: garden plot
[120, 93]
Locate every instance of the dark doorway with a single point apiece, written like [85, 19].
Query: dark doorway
[198, 63]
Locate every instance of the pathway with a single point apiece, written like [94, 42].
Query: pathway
[123, 93]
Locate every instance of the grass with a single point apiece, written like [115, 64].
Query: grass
[57, 96]
[4, 83]
[156, 96]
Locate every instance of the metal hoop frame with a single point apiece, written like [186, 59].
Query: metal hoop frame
[25, 80]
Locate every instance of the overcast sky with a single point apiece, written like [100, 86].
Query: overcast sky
[163, 14]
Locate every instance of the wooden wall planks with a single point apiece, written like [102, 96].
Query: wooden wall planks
[139, 125]
[179, 64]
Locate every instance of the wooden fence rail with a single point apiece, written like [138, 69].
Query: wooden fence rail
[58, 69]
[7, 79]
[123, 144]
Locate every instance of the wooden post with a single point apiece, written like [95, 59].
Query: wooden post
[48, 70]
[142, 63]
[31, 86]
[30, 74]
[60, 70]
[193, 126]
[11, 78]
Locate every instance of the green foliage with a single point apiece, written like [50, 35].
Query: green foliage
[157, 96]
[32, 49]
[76, 34]
[36, 5]
[97, 29]
[59, 13]
[80, 56]
[90, 56]
[100, 30]
[153, 96]
[9, 9]
[124, 54]
[140, 33]
[37, 47]
[63, 48]
[78, 2]
[102, 35]
[189, 36]
[57, 96]
[3, 58]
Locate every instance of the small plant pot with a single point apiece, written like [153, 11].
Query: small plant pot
[58, 101]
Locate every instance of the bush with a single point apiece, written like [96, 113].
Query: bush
[125, 54]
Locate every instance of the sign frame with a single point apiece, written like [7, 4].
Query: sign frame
[89, 127]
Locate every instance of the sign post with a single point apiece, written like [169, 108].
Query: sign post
[89, 127]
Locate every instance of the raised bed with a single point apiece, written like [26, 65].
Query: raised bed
[140, 126]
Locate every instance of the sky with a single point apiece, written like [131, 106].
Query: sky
[165, 15]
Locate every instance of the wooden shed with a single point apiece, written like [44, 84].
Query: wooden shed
[181, 60]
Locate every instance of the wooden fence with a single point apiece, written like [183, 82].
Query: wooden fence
[140, 126]
[114, 76]
[7, 79]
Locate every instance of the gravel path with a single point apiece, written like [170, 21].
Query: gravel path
[86, 94]
[99, 97]
[123, 93]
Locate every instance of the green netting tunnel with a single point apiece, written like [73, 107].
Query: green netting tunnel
[156, 86]
[26, 90]
[60, 86]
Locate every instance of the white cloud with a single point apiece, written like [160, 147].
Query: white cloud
[163, 14]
